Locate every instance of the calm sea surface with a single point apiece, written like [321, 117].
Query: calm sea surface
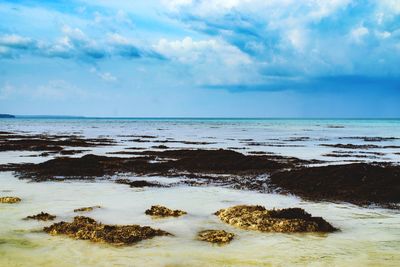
[368, 236]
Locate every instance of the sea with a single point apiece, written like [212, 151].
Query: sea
[368, 236]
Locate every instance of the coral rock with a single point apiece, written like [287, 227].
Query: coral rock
[283, 220]
[41, 217]
[161, 211]
[87, 209]
[9, 200]
[85, 228]
[215, 236]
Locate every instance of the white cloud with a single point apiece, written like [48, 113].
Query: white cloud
[383, 35]
[16, 41]
[115, 38]
[311, 9]
[357, 34]
[189, 51]
[74, 33]
[106, 76]
[392, 6]
[298, 38]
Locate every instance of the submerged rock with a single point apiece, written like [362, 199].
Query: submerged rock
[86, 228]
[161, 211]
[10, 200]
[87, 209]
[215, 236]
[282, 220]
[43, 216]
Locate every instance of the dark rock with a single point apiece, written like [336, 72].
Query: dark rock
[41, 217]
[171, 162]
[358, 183]
[351, 146]
[371, 138]
[160, 147]
[215, 236]
[54, 143]
[87, 209]
[161, 211]
[88, 229]
[10, 200]
[285, 220]
[138, 183]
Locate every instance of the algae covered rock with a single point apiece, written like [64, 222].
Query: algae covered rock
[215, 236]
[43, 216]
[86, 228]
[161, 211]
[10, 200]
[282, 220]
[137, 183]
[87, 209]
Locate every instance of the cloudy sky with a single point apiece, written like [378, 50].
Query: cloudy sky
[201, 58]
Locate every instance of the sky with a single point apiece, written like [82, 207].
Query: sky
[200, 58]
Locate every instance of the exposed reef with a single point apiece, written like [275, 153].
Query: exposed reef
[43, 216]
[161, 211]
[370, 138]
[48, 143]
[138, 183]
[215, 236]
[166, 163]
[87, 209]
[10, 200]
[358, 183]
[290, 220]
[85, 228]
[352, 146]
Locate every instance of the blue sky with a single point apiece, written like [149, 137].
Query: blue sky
[206, 58]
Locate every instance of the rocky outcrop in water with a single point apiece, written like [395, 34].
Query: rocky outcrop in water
[138, 183]
[358, 183]
[161, 211]
[215, 236]
[48, 143]
[85, 228]
[284, 220]
[165, 163]
[10, 200]
[87, 209]
[43, 216]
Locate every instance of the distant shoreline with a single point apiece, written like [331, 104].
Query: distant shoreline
[184, 118]
[7, 116]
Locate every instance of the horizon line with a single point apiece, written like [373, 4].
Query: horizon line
[196, 117]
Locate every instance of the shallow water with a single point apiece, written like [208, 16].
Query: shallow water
[368, 237]
[228, 133]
